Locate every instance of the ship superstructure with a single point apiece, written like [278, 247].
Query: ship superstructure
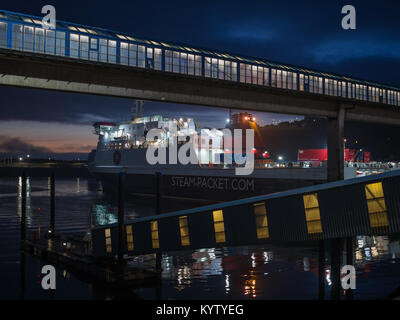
[123, 147]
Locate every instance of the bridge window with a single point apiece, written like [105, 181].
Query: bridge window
[60, 43]
[180, 62]
[315, 84]
[93, 50]
[84, 47]
[273, 78]
[292, 80]
[132, 54]
[313, 218]
[251, 74]
[248, 73]
[220, 69]
[93, 44]
[184, 231]
[28, 38]
[124, 53]
[154, 234]
[191, 64]
[141, 56]
[332, 87]
[3, 34]
[112, 51]
[376, 205]
[129, 237]
[214, 68]
[50, 42]
[207, 66]
[301, 82]
[107, 233]
[219, 226]
[343, 89]
[261, 220]
[198, 63]
[74, 45]
[183, 63]
[175, 61]
[168, 60]
[39, 40]
[157, 59]
[103, 50]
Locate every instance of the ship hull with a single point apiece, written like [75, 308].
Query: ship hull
[210, 187]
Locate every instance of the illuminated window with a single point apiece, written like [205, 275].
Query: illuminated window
[129, 237]
[154, 234]
[107, 233]
[219, 227]
[313, 218]
[184, 228]
[261, 220]
[376, 205]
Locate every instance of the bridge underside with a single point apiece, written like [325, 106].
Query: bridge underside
[70, 75]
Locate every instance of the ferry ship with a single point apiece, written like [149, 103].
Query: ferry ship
[122, 147]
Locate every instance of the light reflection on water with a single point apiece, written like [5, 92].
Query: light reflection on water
[255, 272]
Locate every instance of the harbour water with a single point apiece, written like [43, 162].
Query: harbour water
[251, 272]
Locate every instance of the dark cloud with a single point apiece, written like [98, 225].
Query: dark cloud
[17, 146]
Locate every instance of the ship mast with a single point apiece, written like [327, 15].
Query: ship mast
[137, 109]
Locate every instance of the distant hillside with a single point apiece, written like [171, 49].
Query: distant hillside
[285, 138]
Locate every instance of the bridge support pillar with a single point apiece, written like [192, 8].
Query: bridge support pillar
[321, 269]
[52, 229]
[336, 255]
[23, 208]
[349, 261]
[335, 143]
[121, 218]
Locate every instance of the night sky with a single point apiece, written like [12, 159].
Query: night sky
[304, 33]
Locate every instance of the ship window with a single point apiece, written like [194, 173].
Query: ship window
[184, 230]
[219, 226]
[376, 205]
[129, 237]
[154, 234]
[107, 233]
[261, 220]
[313, 218]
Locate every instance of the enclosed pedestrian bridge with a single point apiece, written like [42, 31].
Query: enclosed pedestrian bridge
[360, 206]
[82, 59]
